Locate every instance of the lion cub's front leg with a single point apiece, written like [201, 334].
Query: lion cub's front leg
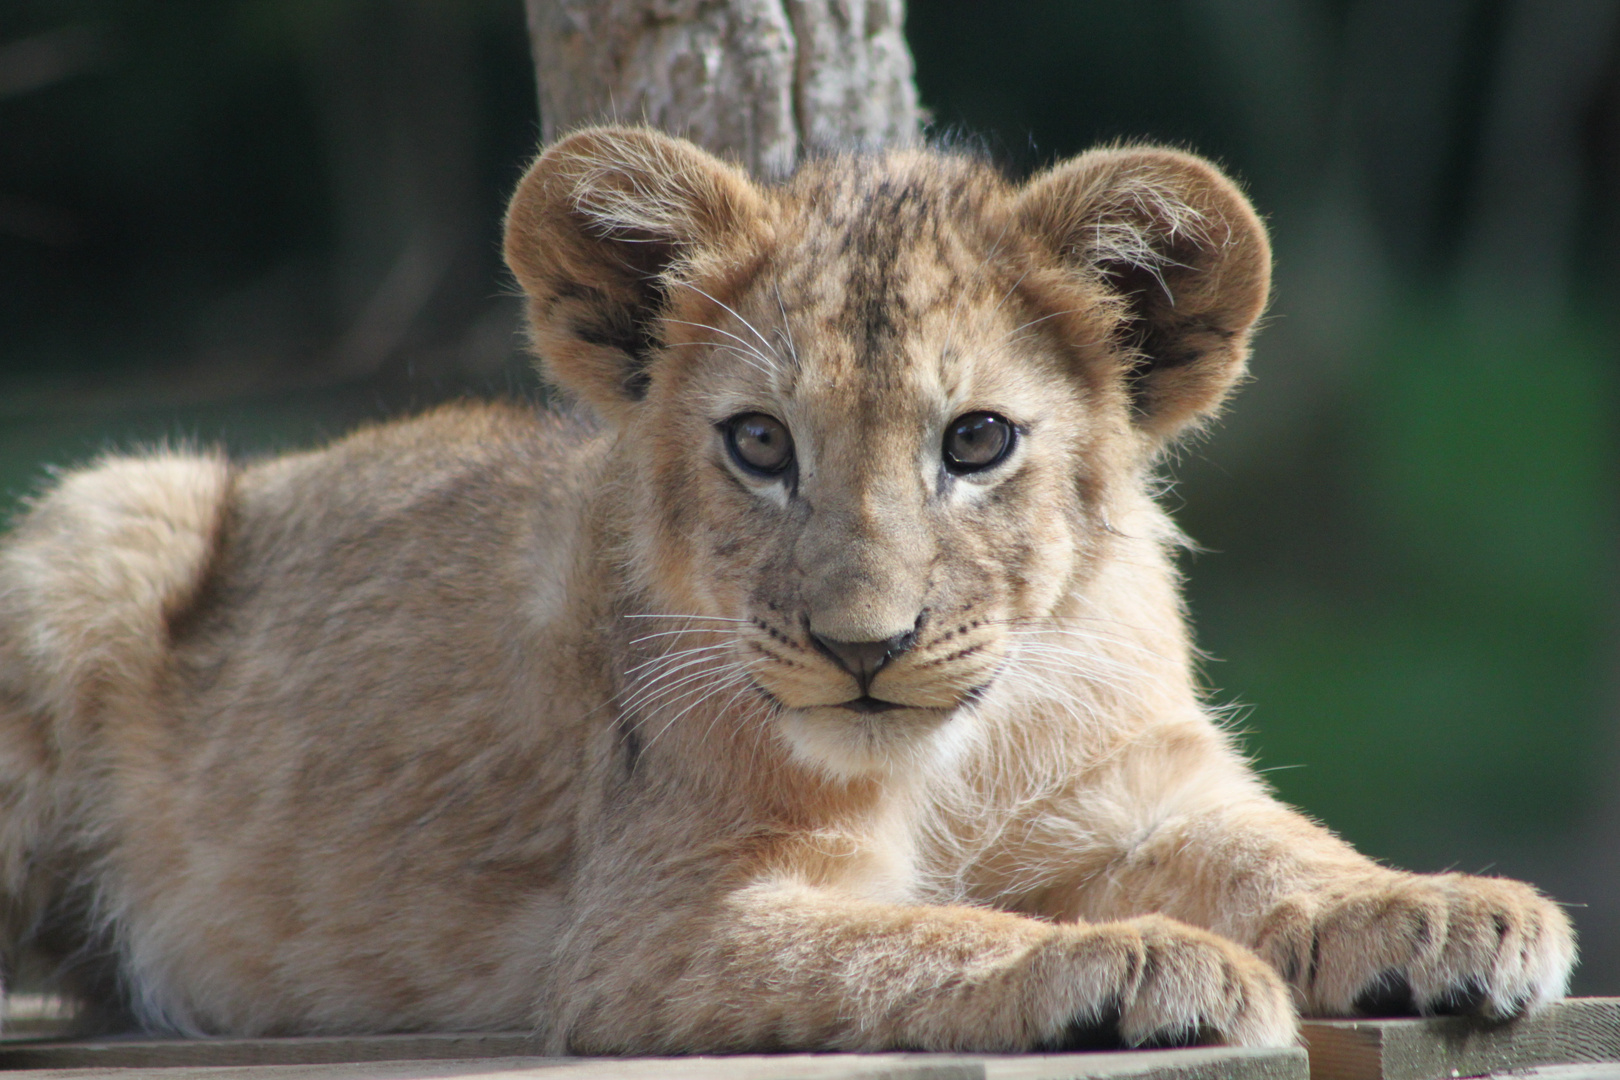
[1350, 936]
[798, 967]
[1385, 942]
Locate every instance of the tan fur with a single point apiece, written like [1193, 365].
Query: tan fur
[491, 719]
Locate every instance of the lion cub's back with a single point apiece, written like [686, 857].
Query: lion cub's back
[135, 554]
[318, 656]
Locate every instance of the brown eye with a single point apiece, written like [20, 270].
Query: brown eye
[977, 441]
[759, 443]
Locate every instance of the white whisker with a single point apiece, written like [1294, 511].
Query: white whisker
[757, 360]
[676, 633]
[667, 658]
[745, 685]
[662, 675]
[706, 618]
[787, 328]
[663, 686]
[775, 361]
[733, 674]
[1010, 290]
[1033, 322]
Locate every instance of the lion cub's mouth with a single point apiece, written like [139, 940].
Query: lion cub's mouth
[869, 704]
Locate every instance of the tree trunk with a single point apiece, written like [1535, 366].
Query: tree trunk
[760, 81]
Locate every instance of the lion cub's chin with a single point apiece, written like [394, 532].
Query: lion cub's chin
[845, 744]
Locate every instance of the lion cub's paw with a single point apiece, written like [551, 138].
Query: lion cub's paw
[1167, 984]
[1431, 944]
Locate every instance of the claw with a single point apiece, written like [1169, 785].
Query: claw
[1390, 994]
[1171, 1038]
[1100, 1032]
[1466, 999]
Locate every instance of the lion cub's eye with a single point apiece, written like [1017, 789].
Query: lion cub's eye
[977, 441]
[759, 443]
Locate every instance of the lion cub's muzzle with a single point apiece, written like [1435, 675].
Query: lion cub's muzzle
[863, 660]
[931, 666]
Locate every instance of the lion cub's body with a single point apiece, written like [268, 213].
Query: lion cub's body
[503, 719]
[361, 654]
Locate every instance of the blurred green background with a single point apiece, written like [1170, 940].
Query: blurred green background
[259, 222]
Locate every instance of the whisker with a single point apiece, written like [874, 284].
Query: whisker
[1033, 322]
[787, 328]
[669, 658]
[678, 633]
[736, 315]
[661, 676]
[758, 361]
[734, 674]
[1114, 676]
[1092, 634]
[663, 686]
[1062, 660]
[707, 618]
[745, 684]
[771, 362]
[1088, 619]
[1040, 647]
[736, 350]
[1010, 290]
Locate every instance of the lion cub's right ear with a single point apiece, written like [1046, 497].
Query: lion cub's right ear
[602, 229]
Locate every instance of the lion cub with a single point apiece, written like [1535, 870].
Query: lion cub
[820, 682]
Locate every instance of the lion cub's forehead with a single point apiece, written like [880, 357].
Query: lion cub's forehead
[879, 254]
[887, 305]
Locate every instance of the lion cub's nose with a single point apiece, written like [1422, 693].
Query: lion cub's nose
[862, 659]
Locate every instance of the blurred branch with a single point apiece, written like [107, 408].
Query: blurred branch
[30, 220]
[43, 60]
[371, 358]
[1523, 228]
[384, 323]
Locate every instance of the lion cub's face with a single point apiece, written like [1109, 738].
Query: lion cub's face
[874, 461]
[882, 409]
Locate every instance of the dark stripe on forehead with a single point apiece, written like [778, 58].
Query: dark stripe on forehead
[890, 217]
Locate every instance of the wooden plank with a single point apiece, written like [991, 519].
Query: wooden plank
[326, 1059]
[1193, 1063]
[124, 1052]
[499, 1069]
[1580, 1033]
[784, 1067]
[1576, 1031]
[1595, 1070]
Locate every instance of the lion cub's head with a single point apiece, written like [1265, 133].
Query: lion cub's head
[878, 416]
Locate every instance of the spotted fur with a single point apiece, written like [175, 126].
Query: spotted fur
[573, 723]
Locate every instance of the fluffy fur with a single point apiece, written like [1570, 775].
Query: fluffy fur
[491, 719]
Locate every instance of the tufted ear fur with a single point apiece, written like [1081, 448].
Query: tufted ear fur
[1184, 252]
[600, 230]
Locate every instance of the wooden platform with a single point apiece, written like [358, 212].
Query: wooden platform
[154, 1061]
[1574, 1040]
[1575, 1032]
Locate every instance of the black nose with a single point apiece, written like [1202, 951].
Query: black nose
[863, 659]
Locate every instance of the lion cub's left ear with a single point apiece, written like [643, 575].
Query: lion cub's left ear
[602, 229]
[1181, 248]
